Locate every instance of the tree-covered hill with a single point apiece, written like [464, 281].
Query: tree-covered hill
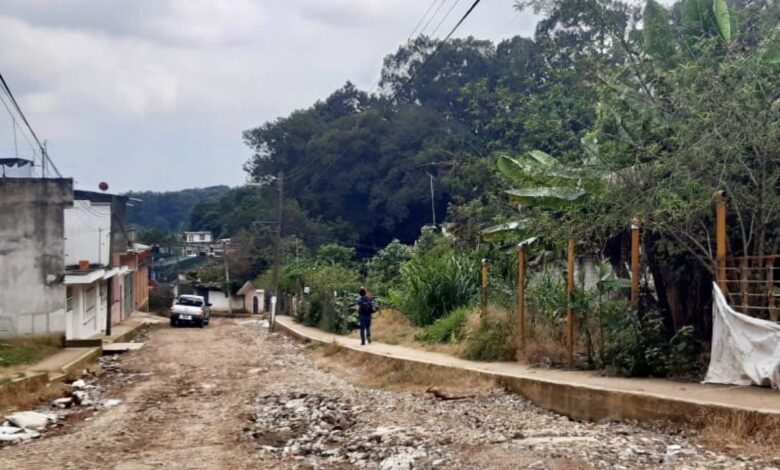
[170, 210]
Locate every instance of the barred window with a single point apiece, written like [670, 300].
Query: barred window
[68, 298]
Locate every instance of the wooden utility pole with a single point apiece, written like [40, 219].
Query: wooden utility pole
[635, 263]
[570, 308]
[485, 280]
[521, 295]
[720, 239]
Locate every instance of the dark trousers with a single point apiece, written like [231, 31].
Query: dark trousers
[365, 328]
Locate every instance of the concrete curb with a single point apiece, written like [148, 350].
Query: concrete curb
[583, 402]
[128, 335]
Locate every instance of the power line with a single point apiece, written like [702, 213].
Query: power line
[415, 31]
[44, 155]
[421, 20]
[446, 15]
[436, 50]
[441, 4]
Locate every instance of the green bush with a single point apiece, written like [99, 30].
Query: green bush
[637, 348]
[432, 286]
[447, 329]
[492, 341]
[324, 310]
[385, 267]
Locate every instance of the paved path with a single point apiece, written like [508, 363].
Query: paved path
[732, 397]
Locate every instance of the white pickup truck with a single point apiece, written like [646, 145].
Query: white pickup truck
[190, 309]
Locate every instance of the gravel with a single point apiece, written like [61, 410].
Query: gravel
[335, 424]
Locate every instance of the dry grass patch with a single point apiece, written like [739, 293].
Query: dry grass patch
[743, 432]
[545, 346]
[390, 326]
[15, 396]
[374, 371]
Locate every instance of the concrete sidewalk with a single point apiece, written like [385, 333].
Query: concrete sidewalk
[580, 394]
[71, 360]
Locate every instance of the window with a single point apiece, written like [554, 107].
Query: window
[68, 298]
[201, 237]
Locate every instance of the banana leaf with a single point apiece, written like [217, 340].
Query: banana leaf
[723, 19]
[545, 197]
[504, 231]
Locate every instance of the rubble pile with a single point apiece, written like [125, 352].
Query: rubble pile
[323, 430]
[85, 395]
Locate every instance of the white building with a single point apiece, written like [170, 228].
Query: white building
[197, 243]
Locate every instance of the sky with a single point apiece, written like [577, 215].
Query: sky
[154, 94]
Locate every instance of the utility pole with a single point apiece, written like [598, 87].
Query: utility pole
[278, 250]
[433, 201]
[227, 279]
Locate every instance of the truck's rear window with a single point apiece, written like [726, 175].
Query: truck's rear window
[189, 302]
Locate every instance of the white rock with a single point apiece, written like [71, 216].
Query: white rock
[31, 420]
[9, 430]
[79, 384]
[110, 402]
[397, 462]
[62, 402]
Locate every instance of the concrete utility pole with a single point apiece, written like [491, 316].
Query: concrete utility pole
[278, 250]
[433, 201]
[227, 278]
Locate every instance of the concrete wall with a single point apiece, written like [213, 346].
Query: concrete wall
[32, 261]
[219, 302]
[88, 233]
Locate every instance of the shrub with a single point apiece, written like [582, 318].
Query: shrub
[447, 329]
[641, 348]
[493, 340]
[385, 267]
[432, 286]
[323, 310]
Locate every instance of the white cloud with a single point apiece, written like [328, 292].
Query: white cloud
[163, 83]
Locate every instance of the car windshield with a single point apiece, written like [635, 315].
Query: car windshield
[189, 301]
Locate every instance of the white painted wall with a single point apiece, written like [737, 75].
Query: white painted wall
[84, 320]
[219, 303]
[87, 233]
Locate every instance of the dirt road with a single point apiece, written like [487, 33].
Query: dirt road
[233, 396]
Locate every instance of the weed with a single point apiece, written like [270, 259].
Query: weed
[446, 329]
[493, 340]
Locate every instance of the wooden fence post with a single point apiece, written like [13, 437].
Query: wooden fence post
[720, 240]
[485, 280]
[635, 263]
[521, 295]
[770, 285]
[570, 309]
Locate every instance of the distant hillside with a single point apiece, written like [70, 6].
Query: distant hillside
[168, 210]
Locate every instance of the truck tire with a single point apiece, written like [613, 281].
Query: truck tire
[173, 323]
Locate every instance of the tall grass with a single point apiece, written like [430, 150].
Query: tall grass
[447, 329]
[433, 286]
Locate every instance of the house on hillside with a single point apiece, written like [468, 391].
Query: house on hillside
[197, 243]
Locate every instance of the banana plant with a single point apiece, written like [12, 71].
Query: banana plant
[551, 185]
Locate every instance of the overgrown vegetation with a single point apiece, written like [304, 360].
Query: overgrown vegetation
[28, 349]
[447, 329]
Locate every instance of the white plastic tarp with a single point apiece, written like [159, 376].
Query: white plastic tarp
[745, 350]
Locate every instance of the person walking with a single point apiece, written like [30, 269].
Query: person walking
[365, 307]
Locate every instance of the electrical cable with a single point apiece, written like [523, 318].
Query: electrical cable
[446, 15]
[436, 50]
[44, 154]
[430, 7]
